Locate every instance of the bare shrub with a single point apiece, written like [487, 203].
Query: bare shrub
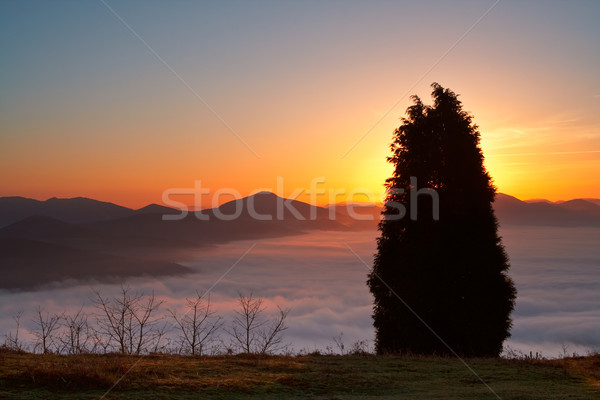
[46, 326]
[12, 342]
[197, 327]
[252, 332]
[76, 336]
[128, 321]
[361, 348]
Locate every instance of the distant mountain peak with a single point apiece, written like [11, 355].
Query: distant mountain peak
[72, 210]
[264, 193]
[155, 209]
[511, 210]
[506, 197]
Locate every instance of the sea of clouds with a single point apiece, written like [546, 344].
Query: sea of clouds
[321, 277]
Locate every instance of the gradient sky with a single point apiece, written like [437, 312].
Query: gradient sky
[87, 109]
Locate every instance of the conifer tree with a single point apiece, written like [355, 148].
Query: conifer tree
[440, 266]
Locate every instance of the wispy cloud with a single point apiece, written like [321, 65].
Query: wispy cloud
[556, 153]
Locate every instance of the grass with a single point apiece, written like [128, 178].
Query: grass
[30, 376]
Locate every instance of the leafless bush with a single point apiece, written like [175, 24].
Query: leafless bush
[100, 342]
[197, 327]
[361, 348]
[339, 344]
[76, 335]
[358, 348]
[252, 332]
[160, 342]
[11, 340]
[511, 353]
[128, 321]
[46, 326]
[566, 354]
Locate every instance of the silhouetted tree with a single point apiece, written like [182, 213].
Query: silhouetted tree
[128, 320]
[197, 326]
[252, 332]
[45, 332]
[12, 341]
[76, 335]
[447, 268]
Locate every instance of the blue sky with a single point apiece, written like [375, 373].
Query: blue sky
[87, 109]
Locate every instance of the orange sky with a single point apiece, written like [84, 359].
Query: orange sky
[87, 109]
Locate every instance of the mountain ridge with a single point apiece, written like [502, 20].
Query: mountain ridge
[73, 210]
[80, 210]
[147, 240]
[37, 263]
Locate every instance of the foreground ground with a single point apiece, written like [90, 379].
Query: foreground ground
[26, 376]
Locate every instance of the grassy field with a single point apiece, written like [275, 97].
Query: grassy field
[27, 376]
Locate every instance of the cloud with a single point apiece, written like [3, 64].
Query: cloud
[556, 271]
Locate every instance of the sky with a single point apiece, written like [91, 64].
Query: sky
[122, 101]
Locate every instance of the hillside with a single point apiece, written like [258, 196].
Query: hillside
[266, 206]
[40, 249]
[512, 211]
[26, 376]
[74, 210]
[73, 239]
[28, 264]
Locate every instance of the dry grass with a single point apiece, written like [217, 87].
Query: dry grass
[27, 376]
[586, 367]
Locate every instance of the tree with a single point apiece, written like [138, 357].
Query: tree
[76, 334]
[252, 332]
[46, 327]
[439, 278]
[12, 341]
[128, 320]
[197, 326]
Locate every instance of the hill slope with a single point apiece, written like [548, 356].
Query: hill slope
[74, 210]
[82, 238]
[512, 211]
[28, 264]
[25, 376]
[39, 249]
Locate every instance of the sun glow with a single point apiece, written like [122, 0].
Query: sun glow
[88, 111]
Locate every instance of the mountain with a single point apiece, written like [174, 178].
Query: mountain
[27, 264]
[156, 209]
[153, 227]
[263, 212]
[143, 242]
[43, 228]
[512, 211]
[509, 210]
[595, 201]
[586, 206]
[537, 201]
[74, 210]
[62, 239]
[267, 206]
[357, 216]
